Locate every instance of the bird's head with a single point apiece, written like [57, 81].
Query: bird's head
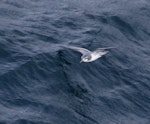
[85, 58]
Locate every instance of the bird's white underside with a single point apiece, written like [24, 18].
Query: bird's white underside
[95, 56]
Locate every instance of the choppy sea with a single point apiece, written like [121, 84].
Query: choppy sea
[42, 83]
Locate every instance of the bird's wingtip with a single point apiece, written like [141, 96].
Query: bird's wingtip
[63, 46]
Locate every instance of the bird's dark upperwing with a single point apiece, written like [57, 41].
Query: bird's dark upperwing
[79, 49]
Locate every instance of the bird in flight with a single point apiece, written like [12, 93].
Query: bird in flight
[89, 56]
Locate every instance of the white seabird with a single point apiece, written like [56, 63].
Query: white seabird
[89, 56]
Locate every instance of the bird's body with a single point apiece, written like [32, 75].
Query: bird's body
[97, 55]
[89, 56]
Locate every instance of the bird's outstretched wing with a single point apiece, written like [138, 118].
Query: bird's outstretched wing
[79, 49]
[106, 48]
[103, 49]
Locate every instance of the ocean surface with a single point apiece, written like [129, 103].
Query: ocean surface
[43, 83]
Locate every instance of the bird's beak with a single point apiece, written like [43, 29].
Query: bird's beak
[81, 61]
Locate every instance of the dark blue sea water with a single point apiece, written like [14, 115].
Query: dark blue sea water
[42, 83]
